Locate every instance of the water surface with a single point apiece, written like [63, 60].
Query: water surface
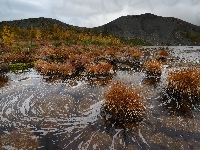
[52, 113]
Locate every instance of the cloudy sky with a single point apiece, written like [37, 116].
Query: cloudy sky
[90, 13]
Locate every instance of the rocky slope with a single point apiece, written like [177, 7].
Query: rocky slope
[154, 29]
[148, 27]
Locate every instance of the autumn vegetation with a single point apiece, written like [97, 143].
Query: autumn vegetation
[162, 55]
[184, 83]
[124, 102]
[153, 67]
[51, 68]
[102, 68]
[52, 46]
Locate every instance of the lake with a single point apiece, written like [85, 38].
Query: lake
[48, 112]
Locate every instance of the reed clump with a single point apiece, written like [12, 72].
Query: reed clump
[53, 68]
[184, 83]
[16, 57]
[102, 68]
[153, 67]
[78, 61]
[162, 55]
[124, 102]
[137, 54]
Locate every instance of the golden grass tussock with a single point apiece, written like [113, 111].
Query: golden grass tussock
[124, 102]
[153, 67]
[47, 68]
[163, 54]
[102, 68]
[184, 81]
[45, 51]
[109, 52]
[133, 52]
[78, 60]
[16, 57]
[137, 54]
[65, 69]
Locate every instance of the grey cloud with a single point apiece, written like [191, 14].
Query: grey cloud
[90, 13]
[171, 3]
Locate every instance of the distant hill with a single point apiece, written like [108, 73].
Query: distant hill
[37, 22]
[154, 29]
[148, 27]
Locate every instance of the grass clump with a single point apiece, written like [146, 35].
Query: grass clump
[162, 55]
[78, 61]
[153, 67]
[184, 83]
[20, 66]
[124, 102]
[53, 68]
[137, 54]
[102, 68]
[16, 58]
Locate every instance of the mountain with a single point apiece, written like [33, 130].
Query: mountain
[37, 22]
[154, 29]
[148, 27]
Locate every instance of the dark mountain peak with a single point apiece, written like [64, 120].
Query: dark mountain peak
[155, 29]
[149, 27]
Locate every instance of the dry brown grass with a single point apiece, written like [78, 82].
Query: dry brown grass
[153, 67]
[16, 57]
[54, 68]
[65, 69]
[163, 53]
[137, 54]
[184, 82]
[78, 61]
[124, 102]
[40, 64]
[109, 52]
[102, 68]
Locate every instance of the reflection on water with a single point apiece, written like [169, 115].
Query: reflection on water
[178, 106]
[99, 81]
[52, 113]
[20, 139]
[152, 81]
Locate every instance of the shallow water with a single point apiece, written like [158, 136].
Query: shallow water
[52, 113]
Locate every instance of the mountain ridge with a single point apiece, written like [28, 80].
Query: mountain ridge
[155, 29]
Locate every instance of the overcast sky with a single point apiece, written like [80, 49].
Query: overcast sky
[90, 13]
